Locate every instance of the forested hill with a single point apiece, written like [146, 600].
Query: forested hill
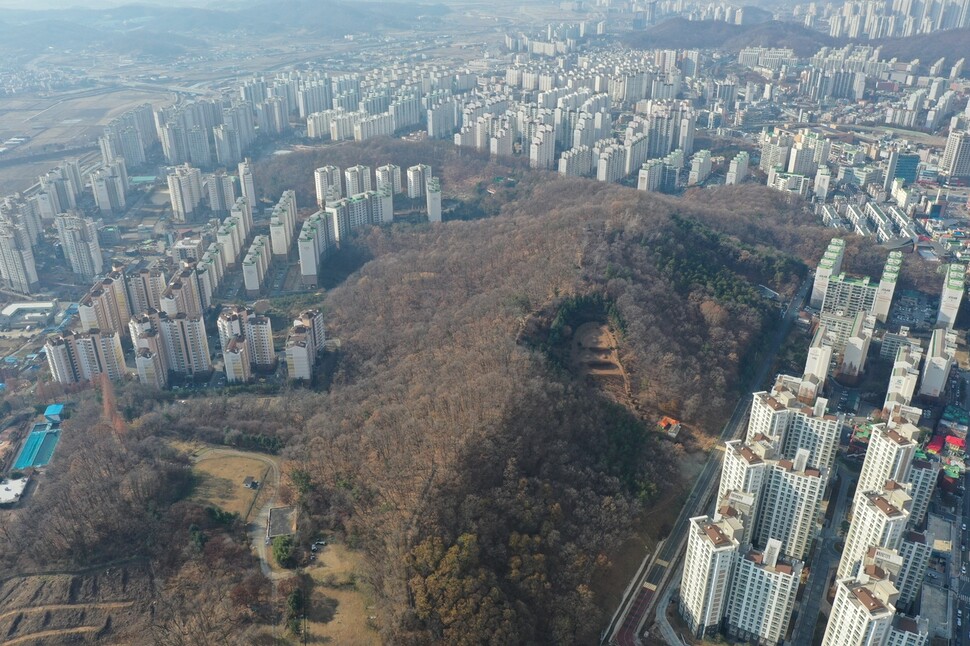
[487, 483]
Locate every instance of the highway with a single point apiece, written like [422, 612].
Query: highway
[636, 605]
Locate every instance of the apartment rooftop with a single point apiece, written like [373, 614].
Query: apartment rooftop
[748, 455]
[867, 599]
[884, 505]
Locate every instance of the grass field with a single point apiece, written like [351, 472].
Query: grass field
[220, 482]
[339, 606]
[220, 477]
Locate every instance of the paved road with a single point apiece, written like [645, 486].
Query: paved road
[963, 582]
[823, 562]
[640, 600]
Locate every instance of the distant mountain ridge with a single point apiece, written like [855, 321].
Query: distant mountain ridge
[175, 28]
[708, 34]
[952, 44]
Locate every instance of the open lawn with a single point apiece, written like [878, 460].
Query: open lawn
[221, 482]
[220, 474]
[339, 611]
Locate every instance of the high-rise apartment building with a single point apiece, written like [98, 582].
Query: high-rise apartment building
[313, 243]
[904, 377]
[105, 307]
[221, 193]
[304, 344]
[328, 182]
[744, 467]
[282, 224]
[78, 236]
[923, 475]
[956, 154]
[915, 550]
[434, 199]
[790, 505]
[712, 550]
[84, 356]
[793, 424]
[830, 265]
[185, 344]
[357, 179]
[887, 286]
[389, 178]
[738, 169]
[185, 192]
[418, 177]
[879, 519]
[939, 358]
[952, 296]
[762, 595]
[247, 185]
[862, 613]
[888, 456]
[236, 359]
[17, 266]
[145, 289]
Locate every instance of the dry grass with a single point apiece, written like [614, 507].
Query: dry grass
[339, 612]
[220, 482]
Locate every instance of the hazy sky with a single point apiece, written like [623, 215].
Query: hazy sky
[92, 4]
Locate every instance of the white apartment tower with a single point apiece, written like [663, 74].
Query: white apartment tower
[185, 191]
[743, 469]
[956, 155]
[738, 170]
[418, 177]
[862, 613]
[17, 266]
[282, 224]
[84, 356]
[247, 186]
[879, 519]
[434, 200]
[389, 178]
[790, 505]
[79, 239]
[887, 286]
[888, 456]
[327, 180]
[937, 363]
[915, 550]
[238, 365]
[830, 265]
[145, 289]
[762, 595]
[357, 180]
[952, 296]
[712, 550]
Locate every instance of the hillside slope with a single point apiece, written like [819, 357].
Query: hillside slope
[487, 483]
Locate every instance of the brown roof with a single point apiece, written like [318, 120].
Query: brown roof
[866, 598]
[715, 535]
[885, 507]
[749, 456]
